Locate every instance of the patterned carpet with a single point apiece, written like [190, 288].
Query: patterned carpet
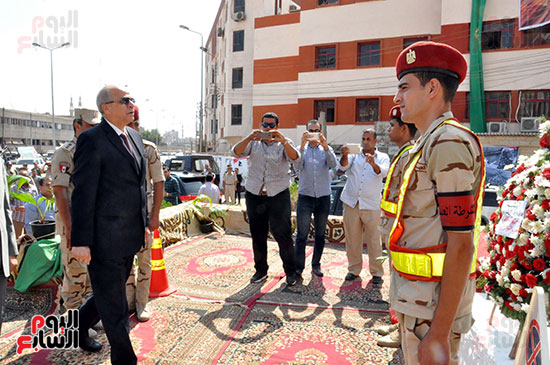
[218, 267]
[218, 317]
[331, 289]
[273, 334]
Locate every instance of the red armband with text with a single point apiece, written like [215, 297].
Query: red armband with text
[457, 210]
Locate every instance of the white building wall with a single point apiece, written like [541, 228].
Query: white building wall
[370, 20]
[460, 11]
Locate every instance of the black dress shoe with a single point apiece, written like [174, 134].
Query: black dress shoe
[350, 276]
[88, 344]
[258, 277]
[291, 280]
[377, 280]
[317, 271]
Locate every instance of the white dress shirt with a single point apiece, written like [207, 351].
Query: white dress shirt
[364, 186]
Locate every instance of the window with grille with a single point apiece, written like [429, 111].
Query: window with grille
[368, 54]
[367, 110]
[497, 105]
[535, 103]
[536, 36]
[237, 79]
[237, 114]
[325, 57]
[497, 35]
[238, 5]
[238, 41]
[326, 106]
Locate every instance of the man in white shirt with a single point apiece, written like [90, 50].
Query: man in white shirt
[229, 184]
[361, 197]
[210, 189]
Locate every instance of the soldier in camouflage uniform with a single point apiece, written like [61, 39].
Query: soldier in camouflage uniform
[439, 211]
[137, 286]
[76, 283]
[402, 134]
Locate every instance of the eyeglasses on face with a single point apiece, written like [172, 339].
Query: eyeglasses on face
[314, 130]
[125, 100]
[269, 125]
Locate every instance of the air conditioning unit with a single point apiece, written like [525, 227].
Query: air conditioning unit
[530, 124]
[220, 32]
[497, 127]
[238, 16]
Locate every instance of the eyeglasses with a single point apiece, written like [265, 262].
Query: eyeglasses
[268, 125]
[314, 130]
[124, 101]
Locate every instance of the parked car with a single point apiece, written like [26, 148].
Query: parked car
[191, 170]
[29, 161]
[490, 203]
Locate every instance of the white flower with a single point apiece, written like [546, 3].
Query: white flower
[497, 247]
[517, 191]
[525, 307]
[516, 306]
[499, 279]
[525, 224]
[537, 240]
[516, 274]
[523, 239]
[530, 194]
[537, 210]
[537, 251]
[542, 181]
[515, 288]
[547, 193]
[536, 227]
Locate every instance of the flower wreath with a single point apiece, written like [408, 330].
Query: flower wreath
[515, 266]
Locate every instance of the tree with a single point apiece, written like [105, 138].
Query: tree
[152, 136]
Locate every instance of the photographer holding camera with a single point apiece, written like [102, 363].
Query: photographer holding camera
[267, 194]
[314, 164]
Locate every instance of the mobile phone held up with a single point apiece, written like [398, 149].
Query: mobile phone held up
[314, 136]
[265, 135]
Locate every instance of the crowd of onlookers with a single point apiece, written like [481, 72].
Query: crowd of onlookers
[231, 185]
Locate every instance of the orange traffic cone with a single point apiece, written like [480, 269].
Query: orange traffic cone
[159, 280]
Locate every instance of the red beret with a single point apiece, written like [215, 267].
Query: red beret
[432, 57]
[136, 113]
[395, 112]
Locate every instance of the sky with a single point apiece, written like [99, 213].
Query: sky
[137, 45]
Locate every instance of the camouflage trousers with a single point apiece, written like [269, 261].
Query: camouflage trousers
[413, 331]
[76, 287]
[137, 285]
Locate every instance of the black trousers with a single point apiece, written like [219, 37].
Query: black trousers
[271, 212]
[108, 303]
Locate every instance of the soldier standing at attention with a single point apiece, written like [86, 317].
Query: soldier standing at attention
[76, 285]
[402, 134]
[438, 210]
[137, 286]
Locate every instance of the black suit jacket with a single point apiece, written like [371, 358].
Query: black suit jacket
[109, 201]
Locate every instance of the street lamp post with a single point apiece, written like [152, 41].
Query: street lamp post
[201, 115]
[51, 74]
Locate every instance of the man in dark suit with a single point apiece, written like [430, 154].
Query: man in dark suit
[109, 218]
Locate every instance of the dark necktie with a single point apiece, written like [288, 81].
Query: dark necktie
[127, 143]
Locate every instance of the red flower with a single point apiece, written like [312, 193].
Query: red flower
[544, 142]
[487, 288]
[539, 264]
[526, 264]
[531, 280]
[545, 204]
[546, 173]
[509, 305]
[546, 279]
[523, 293]
[529, 214]
[520, 168]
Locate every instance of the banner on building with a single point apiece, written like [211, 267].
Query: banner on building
[533, 13]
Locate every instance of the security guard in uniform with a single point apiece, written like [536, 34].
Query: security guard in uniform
[137, 286]
[433, 240]
[76, 283]
[402, 134]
